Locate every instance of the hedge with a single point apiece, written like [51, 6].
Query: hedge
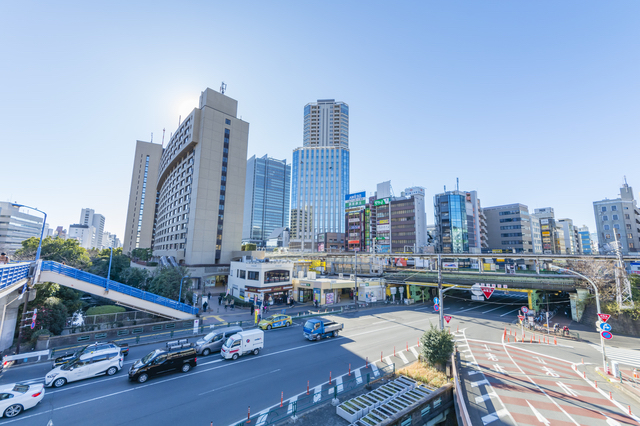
[106, 309]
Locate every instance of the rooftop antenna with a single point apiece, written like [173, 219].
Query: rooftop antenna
[223, 87]
[445, 188]
[179, 120]
[151, 137]
[162, 137]
[457, 184]
[625, 179]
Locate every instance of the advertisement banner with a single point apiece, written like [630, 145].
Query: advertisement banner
[353, 204]
[355, 196]
[400, 261]
[321, 247]
[381, 202]
[383, 249]
[328, 298]
[383, 228]
[354, 241]
[544, 221]
[382, 221]
[449, 265]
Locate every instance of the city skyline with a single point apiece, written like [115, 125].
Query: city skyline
[531, 103]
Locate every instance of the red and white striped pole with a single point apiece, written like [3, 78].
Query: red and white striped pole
[281, 398]
[366, 365]
[249, 414]
[349, 369]
[329, 377]
[307, 387]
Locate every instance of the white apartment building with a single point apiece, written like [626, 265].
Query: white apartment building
[85, 234]
[571, 242]
[621, 216]
[17, 226]
[261, 280]
[91, 218]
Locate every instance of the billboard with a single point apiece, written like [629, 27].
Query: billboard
[400, 261]
[355, 201]
[383, 228]
[355, 196]
[382, 221]
[449, 265]
[381, 202]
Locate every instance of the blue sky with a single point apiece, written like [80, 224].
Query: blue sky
[524, 101]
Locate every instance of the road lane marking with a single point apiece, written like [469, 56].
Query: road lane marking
[317, 394]
[414, 352]
[358, 376]
[484, 397]
[374, 367]
[539, 416]
[338, 384]
[494, 309]
[387, 360]
[239, 381]
[403, 358]
[479, 382]
[489, 418]
[567, 389]
[510, 312]
[470, 309]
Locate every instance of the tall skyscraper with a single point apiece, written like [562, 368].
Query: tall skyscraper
[90, 218]
[201, 183]
[320, 176]
[266, 198]
[139, 227]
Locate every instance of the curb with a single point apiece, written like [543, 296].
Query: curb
[617, 385]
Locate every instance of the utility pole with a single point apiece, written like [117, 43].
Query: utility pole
[441, 295]
[440, 291]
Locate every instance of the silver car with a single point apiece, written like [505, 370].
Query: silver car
[213, 341]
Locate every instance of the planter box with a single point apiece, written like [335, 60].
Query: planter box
[367, 406]
[348, 413]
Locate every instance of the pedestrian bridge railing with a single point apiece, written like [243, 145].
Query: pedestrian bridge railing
[110, 285]
[12, 273]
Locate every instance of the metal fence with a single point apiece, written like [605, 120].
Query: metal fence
[306, 401]
[13, 273]
[116, 286]
[117, 317]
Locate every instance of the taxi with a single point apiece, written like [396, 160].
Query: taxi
[275, 321]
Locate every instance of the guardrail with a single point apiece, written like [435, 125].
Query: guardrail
[305, 402]
[24, 357]
[12, 273]
[461, 406]
[116, 286]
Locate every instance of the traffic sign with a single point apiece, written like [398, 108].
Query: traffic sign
[447, 318]
[479, 298]
[436, 300]
[524, 309]
[604, 317]
[605, 327]
[476, 289]
[487, 291]
[521, 317]
[606, 334]
[436, 308]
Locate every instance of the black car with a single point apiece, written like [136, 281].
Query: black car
[64, 359]
[161, 361]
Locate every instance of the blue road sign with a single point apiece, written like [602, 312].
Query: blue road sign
[605, 327]
[436, 308]
[606, 335]
[436, 300]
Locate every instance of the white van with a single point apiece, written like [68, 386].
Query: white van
[106, 361]
[242, 343]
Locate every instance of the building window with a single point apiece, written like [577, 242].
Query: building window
[604, 208]
[630, 236]
[626, 216]
[607, 236]
[630, 245]
[616, 226]
[227, 121]
[606, 227]
[605, 217]
[614, 208]
[615, 217]
[253, 275]
[241, 273]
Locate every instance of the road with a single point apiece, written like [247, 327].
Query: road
[221, 391]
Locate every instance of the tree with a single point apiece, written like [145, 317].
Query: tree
[52, 315]
[166, 282]
[601, 273]
[437, 346]
[249, 247]
[56, 249]
[135, 277]
[119, 263]
[69, 297]
[143, 254]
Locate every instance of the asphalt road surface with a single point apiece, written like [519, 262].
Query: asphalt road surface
[221, 391]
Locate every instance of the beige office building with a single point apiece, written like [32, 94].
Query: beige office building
[201, 184]
[138, 231]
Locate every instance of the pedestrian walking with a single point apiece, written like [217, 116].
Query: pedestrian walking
[4, 259]
[226, 305]
[205, 306]
[252, 310]
[220, 300]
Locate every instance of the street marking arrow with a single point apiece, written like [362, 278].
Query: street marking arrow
[567, 389]
[499, 368]
[539, 416]
[541, 361]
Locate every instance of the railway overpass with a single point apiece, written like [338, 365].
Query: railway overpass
[14, 276]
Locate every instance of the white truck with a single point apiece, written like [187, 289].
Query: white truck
[243, 343]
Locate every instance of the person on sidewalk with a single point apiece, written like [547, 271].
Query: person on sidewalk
[253, 309]
[226, 305]
[205, 306]
[4, 259]
[220, 300]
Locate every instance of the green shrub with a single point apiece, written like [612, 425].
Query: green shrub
[35, 334]
[437, 346]
[106, 309]
[152, 263]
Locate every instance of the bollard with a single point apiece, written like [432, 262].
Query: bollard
[584, 374]
[582, 361]
[349, 369]
[394, 351]
[629, 410]
[407, 346]
[171, 333]
[531, 338]
[368, 378]
[418, 342]
[610, 396]
[137, 339]
[249, 414]
[596, 383]
[554, 340]
[458, 329]
[366, 365]
[329, 377]
[380, 356]
[307, 387]
[281, 398]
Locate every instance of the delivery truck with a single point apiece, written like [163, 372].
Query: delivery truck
[243, 343]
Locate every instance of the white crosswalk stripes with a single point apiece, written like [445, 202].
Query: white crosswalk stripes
[414, 352]
[358, 376]
[387, 360]
[623, 356]
[403, 358]
[262, 417]
[317, 394]
[376, 373]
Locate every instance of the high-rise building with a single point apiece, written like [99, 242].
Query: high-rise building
[320, 174]
[110, 240]
[620, 216]
[509, 229]
[586, 246]
[85, 234]
[90, 218]
[201, 183]
[458, 222]
[60, 232]
[266, 198]
[139, 227]
[536, 235]
[552, 235]
[570, 236]
[17, 226]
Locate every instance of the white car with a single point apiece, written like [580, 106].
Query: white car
[17, 397]
[106, 361]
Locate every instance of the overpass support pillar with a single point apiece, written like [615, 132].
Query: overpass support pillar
[535, 300]
[578, 302]
[9, 306]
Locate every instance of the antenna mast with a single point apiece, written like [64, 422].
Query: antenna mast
[151, 137]
[162, 137]
[223, 87]
[623, 286]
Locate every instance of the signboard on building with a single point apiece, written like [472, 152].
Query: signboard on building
[355, 202]
[383, 228]
[400, 261]
[354, 241]
[449, 265]
[634, 267]
[544, 221]
[382, 221]
[416, 190]
[355, 196]
[381, 202]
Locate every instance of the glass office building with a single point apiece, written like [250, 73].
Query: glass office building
[320, 174]
[266, 198]
[451, 222]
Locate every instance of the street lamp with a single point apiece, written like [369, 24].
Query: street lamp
[595, 289]
[180, 295]
[43, 225]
